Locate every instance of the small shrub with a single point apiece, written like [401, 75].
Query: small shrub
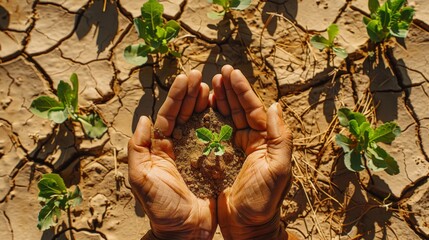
[214, 140]
[363, 143]
[54, 197]
[155, 33]
[67, 107]
[321, 42]
[227, 6]
[390, 19]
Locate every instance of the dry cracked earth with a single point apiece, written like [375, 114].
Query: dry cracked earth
[44, 41]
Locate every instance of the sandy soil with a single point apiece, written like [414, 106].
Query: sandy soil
[44, 41]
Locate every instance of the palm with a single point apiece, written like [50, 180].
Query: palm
[175, 212]
[250, 208]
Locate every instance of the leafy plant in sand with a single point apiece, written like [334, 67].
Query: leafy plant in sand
[214, 140]
[54, 197]
[67, 107]
[227, 6]
[390, 19]
[155, 33]
[320, 42]
[363, 143]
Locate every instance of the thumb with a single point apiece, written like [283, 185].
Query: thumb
[279, 138]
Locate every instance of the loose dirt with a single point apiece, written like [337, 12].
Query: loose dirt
[206, 176]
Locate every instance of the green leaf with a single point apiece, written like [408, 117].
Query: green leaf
[332, 32]
[354, 128]
[319, 42]
[389, 163]
[343, 142]
[407, 14]
[223, 3]
[399, 30]
[172, 28]
[58, 114]
[152, 13]
[386, 133]
[93, 125]
[51, 184]
[41, 105]
[140, 28]
[48, 215]
[353, 161]
[75, 197]
[175, 54]
[136, 54]
[384, 17]
[215, 15]
[204, 135]
[207, 150]
[395, 5]
[240, 4]
[225, 133]
[160, 32]
[366, 20]
[374, 31]
[219, 150]
[75, 92]
[65, 94]
[373, 5]
[340, 52]
[375, 162]
[345, 115]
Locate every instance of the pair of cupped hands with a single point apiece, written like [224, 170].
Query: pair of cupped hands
[250, 209]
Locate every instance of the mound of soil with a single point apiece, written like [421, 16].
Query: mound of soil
[206, 176]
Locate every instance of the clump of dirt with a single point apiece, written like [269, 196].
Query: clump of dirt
[206, 176]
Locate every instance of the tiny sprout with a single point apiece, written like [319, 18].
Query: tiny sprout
[214, 140]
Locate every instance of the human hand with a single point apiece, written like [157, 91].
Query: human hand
[250, 209]
[174, 211]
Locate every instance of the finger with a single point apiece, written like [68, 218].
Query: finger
[203, 98]
[237, 112]
[169, 110]
[219, 94]
[279, 139]
[139, 145]
[194, 83]
[251, 104]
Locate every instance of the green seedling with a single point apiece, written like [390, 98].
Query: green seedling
[214, 140]
[390, 19]
[320, 42]
[54, 197]
[227, 6]
[155, 33]
[67, 107]
[363, 143]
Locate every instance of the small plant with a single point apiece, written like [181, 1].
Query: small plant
[67, 107]
[390, 19]
[364, 143]
[155, 33]
[214, 140]
[54, 197]
[227, 6]
[321, 42]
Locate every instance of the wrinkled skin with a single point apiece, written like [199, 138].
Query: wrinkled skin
[249, 209]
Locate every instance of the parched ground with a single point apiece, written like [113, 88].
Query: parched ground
[44, 41]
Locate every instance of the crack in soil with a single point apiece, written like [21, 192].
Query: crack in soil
[9, 225]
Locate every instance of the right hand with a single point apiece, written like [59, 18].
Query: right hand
[250, 209]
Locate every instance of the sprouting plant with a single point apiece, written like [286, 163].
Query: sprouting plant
[155, 33]
[321, 42]
[214, 140]
[67, 107]
[363, 143]
[54, 197]
[227, 6]
[390, 19]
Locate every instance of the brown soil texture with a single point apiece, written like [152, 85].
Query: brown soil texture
[45, 41]
[206, 176]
